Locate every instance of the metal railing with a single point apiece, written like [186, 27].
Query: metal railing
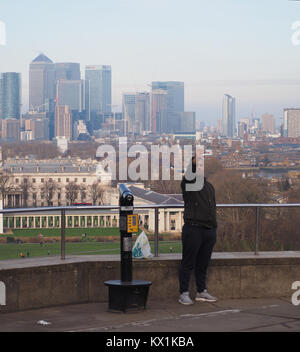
[156, 208]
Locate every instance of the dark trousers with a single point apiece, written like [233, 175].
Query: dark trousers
[197, 246]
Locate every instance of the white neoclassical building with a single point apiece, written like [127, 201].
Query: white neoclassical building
[170, 219]
[60, 170]
[84, 173]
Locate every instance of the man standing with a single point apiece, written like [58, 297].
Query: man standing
[198, 236]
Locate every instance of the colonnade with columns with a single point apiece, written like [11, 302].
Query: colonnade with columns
[169, 220]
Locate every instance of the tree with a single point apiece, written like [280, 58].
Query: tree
[96, 192]
[5, 185]
[212, 166]
[26, 187]
[48, 189]
[82, 192]
[283, 185]
[72, 191]
[236, 226]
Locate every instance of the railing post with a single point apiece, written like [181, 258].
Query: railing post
[63, 233]
[156, 238]
[257, 230]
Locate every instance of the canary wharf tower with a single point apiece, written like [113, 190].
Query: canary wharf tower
[41, 82]
[10, 95]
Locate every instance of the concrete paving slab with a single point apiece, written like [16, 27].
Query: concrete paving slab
[161, 316]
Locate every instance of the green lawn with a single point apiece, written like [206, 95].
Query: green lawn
[12, 251]
[105, 231]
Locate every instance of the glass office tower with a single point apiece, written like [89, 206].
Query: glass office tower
[67, 71]
[159, 110]
[41, 83]
[175, 103]
[71, 93]
[10, 95]
[228, 118]
[98, 79]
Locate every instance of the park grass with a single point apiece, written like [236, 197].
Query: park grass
[56, 232]
[89, 244]
[13, 250]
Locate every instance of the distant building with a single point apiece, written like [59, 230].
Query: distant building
[67, 71]
[246, 123]
[98, 90]
[228, 118]
[62, 144]
[62, 171]
[63, 122]
[136, 111]
[159, 110]
[11, 129]
[80, 130]
[26, 136]
[41, 83]
[219, 125]
[291, 123]
[128, 109]
[256, 126]
[186, 122]
[10, 95]
[242, 129]
[268, 123]
[71, 93]
[39, 128]
[142, 112]
[116, 125]
[175, 102]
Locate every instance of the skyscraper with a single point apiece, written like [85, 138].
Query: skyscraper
[228, 118]
[67, 71]
[71, 93]
[159, 110]
[10, 95]
[63, 122]
[175, 102]
[99, 88]
[187, 122]
[39, 128]
[11, 129]
[128, 109]
[142, 112]
[268, 123]
[41, 82]
[292, 123]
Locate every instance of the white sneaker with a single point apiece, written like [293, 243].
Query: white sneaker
[185, 299]
[204, 296]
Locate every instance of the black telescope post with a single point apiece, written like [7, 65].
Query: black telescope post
[126, 293]
[126, 208]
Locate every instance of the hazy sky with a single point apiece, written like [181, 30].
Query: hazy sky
[238, 47]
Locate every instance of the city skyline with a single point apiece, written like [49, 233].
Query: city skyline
[244, 49]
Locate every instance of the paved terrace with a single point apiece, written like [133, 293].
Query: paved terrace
[234, 315]
[254, 294]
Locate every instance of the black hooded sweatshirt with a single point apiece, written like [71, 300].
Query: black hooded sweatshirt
[199, 206]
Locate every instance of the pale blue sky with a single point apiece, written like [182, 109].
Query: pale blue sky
[239, 47]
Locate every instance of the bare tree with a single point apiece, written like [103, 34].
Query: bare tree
[82, 192]
[72, 191]
[48, 190]
[96, 192]
[5, 185]
[26, 187]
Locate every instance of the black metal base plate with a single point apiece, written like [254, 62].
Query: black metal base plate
[124, 296]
